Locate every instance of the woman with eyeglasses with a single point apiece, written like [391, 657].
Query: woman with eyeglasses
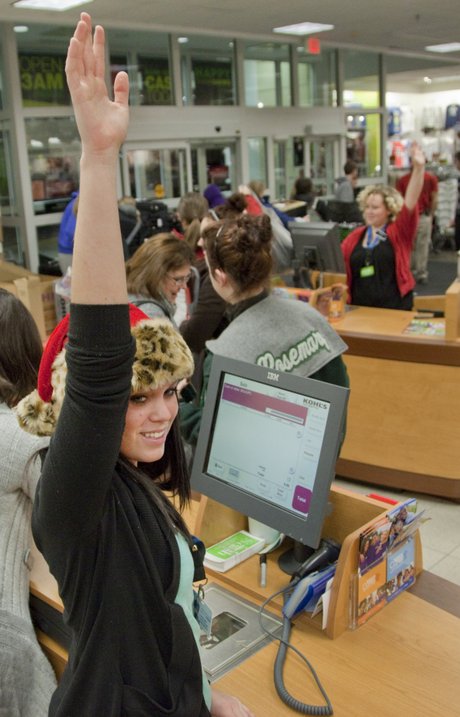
[156, 273]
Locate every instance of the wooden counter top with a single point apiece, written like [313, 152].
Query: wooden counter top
[379, 333]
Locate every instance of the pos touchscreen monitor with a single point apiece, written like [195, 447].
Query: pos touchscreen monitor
[268, 445]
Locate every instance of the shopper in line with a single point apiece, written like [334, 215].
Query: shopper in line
[66, 234]
[192, 208]
[377, 256]
[345, 190]
[281, 334]
[118, 548]
[156, 273]
[27, 680]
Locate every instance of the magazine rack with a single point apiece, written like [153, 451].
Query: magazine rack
[351, 515]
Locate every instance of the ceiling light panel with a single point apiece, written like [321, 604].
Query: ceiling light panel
[303, 28]
[58, 5]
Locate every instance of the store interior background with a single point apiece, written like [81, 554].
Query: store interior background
[281, 107]
[287, 109]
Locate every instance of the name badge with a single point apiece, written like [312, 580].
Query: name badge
[367, 271]
[202, 612]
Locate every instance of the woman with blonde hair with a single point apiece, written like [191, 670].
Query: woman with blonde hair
[191, 210]
[156, 273]
[377, 256]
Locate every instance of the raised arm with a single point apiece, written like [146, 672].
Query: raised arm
[98, 273]
[416, 179]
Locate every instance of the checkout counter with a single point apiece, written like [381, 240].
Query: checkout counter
[402, 660]
[404, 408]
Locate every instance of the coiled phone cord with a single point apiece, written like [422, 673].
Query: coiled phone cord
[284, 645]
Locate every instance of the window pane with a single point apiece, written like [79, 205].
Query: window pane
[267, 77]
[208, 70]
[289, 162]
[322, 166]
[12, 250]
[317, 78]
[148, 65]
[54, 152]
[7, 196]
[157, 172]
[361, 79]
[257, 152]
[42, 73]
[47, 237]
[1, 78]
[364, 143]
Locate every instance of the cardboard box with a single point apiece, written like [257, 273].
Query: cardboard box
[36, 291]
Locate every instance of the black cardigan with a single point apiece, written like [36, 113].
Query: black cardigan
[115, 558]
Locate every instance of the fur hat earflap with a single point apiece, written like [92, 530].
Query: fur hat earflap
[162, 356]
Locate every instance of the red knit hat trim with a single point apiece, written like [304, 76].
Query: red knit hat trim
[57, 341]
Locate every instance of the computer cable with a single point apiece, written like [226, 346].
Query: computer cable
[284, 645]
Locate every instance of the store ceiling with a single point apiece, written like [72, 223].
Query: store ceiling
[404, 26]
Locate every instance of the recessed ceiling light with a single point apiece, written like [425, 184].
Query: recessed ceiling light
[58, 5]
[445, 47]
[182, 40]
[303, 28]
[21, 28]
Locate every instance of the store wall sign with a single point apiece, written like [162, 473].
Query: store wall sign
[213, 82]
[156, 81]
[43, 80]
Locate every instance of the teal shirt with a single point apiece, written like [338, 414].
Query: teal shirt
[184, 598]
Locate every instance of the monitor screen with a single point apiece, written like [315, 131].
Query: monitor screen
[317, 245]
[268, 445]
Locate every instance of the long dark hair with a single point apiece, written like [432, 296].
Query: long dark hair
[170, 473]
[20, 350]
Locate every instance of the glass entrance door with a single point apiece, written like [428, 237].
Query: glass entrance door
[321, 164]
[157, 171]
[289, 164]
[214, 162]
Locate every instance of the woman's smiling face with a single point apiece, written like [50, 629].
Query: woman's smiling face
[376, 214]
[148, 420]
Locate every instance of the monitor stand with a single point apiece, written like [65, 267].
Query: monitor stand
[291, 560]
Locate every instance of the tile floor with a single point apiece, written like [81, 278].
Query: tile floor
[440, 535]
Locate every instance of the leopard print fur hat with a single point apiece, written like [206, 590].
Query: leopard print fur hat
[162, 357]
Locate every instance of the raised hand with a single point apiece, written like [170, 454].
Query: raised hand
[417, 155]
[102, 123]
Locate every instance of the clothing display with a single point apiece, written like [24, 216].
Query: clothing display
[281, 334]
[116, 559]
[27, 680]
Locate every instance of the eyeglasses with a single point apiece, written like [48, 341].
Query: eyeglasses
[180, 280]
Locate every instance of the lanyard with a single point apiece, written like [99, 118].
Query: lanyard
[380, 235]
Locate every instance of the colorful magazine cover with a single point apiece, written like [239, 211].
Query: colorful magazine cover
[373, 545]
[400, 567]
[371, 592]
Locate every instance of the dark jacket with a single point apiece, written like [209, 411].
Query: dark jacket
[113, 555]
